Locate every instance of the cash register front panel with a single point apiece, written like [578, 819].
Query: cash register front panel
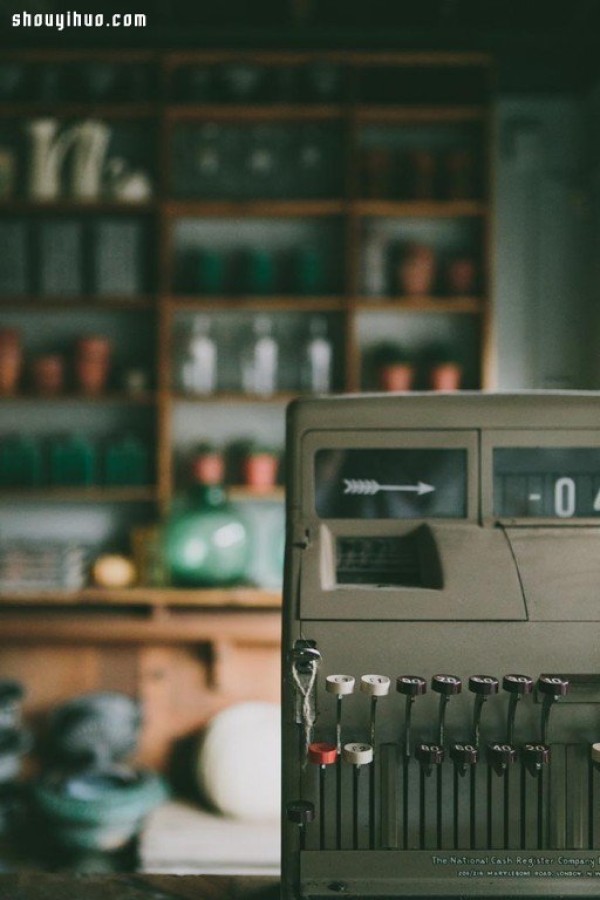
[469, 763]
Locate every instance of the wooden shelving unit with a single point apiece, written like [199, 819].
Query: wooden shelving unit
[352, 115]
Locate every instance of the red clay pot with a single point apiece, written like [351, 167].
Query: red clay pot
[417, 270]
[260, 471]
[208, 468]
[11, 366]
[396, 377]
[48, 374]
[91, 375]
[461, 276]
[445, 377]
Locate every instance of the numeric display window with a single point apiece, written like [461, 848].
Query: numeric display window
[547, 482]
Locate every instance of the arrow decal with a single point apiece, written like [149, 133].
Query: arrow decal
[368, 487]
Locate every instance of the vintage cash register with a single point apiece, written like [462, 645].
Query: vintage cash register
[441, 652]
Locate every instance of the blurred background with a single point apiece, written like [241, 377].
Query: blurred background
[200, 220]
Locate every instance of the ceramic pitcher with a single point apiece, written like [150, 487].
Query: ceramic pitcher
[47, 152]
[91, 140]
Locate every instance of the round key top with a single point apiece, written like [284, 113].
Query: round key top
[501, 755]
[517, 684]
[430, 754]
[301, 812]
[464, 754]
[322, 753]
[595, 753]
[375, 685]
[449, 685]
[553, 686]
[535, 756]
[483, 685]
[339, 684]
[411, 685]
[357, 754]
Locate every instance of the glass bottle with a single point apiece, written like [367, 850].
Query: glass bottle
[206, 543]
[260, 366]
[318, 357]
[199, 367]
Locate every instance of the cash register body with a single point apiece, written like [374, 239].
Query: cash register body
[491, 577]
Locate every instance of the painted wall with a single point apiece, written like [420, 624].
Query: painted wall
[544, 216]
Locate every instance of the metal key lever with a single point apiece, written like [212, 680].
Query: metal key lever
[411, 686]
[552, 687]
[501, 757]
[517, 686]
[430, 756]
[322, 755]
[465, 758]
[340, 686]
[358, 755]
[301, 813]
[446, 686]
[375, 686]
[483, 686]
[535, 759]
[594, 773]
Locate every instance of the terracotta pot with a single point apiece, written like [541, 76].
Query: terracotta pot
[417, 270]
[48, 373]
[461, 276]
[11, 366]
[445, 376]
[208, 468]
[260, 471]
[10, 338]
[396, 377]
[93, 346]
[91, 375]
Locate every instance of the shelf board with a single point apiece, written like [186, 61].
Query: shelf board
[151, 596]
[260, 303]
[472, 305]
[76, 110]
[64, 206]
[77, 624]
[418, 113]
[96, 494]
[117, 399]
[258, 112]
[429, 209]
[232, 397]
[93, 302]
[242, 208]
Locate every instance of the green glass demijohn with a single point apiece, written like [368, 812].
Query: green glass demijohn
[206, 543]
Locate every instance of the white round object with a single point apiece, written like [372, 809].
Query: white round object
[375, 685]
[357, 754]
[596, 753]
[339, 684]
[239, 761]
[114, 571]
